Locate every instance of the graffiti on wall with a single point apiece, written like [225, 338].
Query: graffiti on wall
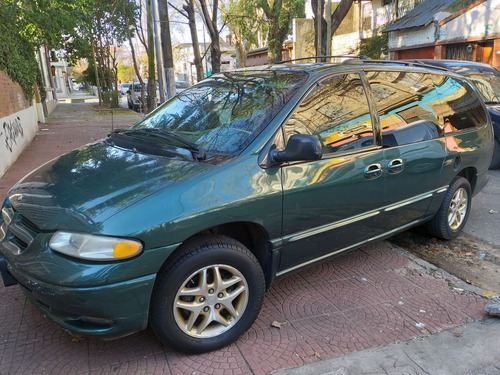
[11, 130]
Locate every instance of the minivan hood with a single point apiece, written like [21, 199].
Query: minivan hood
[81, 189]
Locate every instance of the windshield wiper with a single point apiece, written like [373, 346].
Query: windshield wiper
[169, 136]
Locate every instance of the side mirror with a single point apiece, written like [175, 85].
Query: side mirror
[128, 92]
[299, 147]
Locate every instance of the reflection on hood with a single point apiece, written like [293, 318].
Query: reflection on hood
[81, 189]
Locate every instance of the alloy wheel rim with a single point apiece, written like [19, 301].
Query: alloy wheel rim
[457, 209]
[210, 301]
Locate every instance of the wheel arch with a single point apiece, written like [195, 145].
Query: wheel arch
[253, 236]
[469, 173]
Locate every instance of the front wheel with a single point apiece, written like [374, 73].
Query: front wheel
[454, 211]
[207, 296]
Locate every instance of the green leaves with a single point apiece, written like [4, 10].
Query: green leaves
[27, 25]
[17, 54]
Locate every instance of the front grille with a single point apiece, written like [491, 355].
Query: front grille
[22, 245]
[18, 230]
[29, 225]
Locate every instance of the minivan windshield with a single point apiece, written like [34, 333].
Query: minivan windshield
[224, 113]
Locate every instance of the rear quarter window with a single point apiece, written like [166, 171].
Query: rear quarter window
[461, 108]
[419, 106]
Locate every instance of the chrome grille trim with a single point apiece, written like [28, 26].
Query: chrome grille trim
[16, 232]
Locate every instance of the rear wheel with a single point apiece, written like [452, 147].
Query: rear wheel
[207, 296]
[454, 211]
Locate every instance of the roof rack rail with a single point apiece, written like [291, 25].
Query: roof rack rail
[415, 62]
[361, 57]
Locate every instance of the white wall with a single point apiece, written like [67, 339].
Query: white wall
[16, 132]
[345, 44]
[51, 104]
[412, 37]
[475, 23]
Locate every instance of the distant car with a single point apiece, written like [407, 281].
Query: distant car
[181, 86]
[487, 81]
[125, 88]
[134, 96]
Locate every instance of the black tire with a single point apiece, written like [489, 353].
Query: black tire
[130, 105]
[454, 211]
[237, 305]
[495, 161]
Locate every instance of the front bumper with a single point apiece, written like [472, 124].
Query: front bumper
[109, 311]
[105, 299]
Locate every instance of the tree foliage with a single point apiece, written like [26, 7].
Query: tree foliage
[244, 20]
[81, 28]
[279, 15]
[26, 25]
[375, 47]
[98, 32]
[125, 73]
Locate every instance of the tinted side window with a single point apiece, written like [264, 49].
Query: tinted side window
[408, 106]
[461, 108]
[336, 111]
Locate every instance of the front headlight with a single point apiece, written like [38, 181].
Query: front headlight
[93, 247]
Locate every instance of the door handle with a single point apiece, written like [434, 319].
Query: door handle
[395, 166]
[373, 171]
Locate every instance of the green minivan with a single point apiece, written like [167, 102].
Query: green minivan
[184, 220]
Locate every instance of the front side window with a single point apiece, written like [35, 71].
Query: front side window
[224, 113]
[336, 111]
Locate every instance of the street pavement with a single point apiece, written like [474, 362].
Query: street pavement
[375, 310]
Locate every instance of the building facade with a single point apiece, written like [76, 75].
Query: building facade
[448, 29]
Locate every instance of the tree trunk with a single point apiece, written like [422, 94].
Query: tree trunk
[211, 23]
[318, 9]
[166, 46]
[241, 54]
[339, 15]
[134, 60]
[189, 8]
[320, 24]
[151, 102]
[275, 41]
[215, 55]
[96, 74]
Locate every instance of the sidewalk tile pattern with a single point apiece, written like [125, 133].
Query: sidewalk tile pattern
[368, 297]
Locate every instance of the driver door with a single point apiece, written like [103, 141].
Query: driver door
[332, 204]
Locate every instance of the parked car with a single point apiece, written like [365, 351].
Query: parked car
[134, 96]
[487, 81]
[125, 88]
[184, 220]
